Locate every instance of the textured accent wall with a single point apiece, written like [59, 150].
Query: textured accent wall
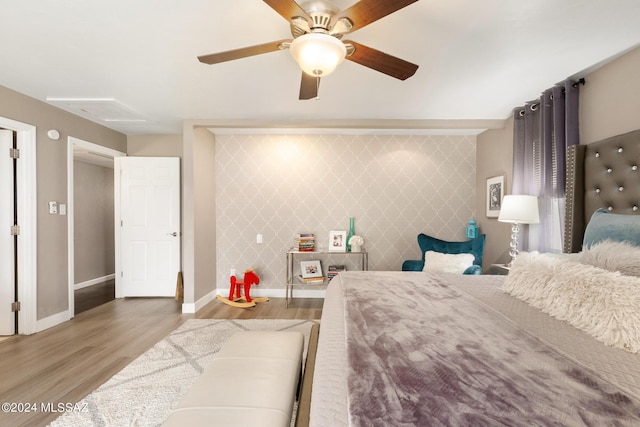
[394, 186]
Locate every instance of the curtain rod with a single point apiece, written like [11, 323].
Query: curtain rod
[580, 81]
[534, 105]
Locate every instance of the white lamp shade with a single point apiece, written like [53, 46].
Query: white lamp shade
[317, 54]
[519, 209]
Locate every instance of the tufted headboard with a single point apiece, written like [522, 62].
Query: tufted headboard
[604, 174]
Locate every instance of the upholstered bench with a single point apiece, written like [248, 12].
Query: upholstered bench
[252, 382]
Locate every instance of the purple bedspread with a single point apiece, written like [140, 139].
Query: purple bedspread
[423, 353]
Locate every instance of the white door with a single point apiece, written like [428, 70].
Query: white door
[150, 226]
[7, 253]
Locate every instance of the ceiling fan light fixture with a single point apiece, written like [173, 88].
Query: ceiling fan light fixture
[318, 54]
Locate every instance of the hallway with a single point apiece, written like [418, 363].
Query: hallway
[93, 296]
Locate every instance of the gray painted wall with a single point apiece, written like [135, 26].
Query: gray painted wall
[94, 250]
[52, 287]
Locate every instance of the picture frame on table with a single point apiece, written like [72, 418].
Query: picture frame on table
[337, 241]
[495, 193]
[310, 269]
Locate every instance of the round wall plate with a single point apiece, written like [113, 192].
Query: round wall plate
[53, 134]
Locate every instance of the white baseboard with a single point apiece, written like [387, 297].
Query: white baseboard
[92, 282]
[308, 293]
[269, 293]
[54, 320]
[188, 308]
[279, 293]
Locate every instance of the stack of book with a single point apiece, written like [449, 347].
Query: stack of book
[306, 242]
[334, 270]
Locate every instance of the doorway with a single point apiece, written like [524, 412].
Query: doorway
[91, 223]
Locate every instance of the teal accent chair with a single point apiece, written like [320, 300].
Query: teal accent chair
[428, 243]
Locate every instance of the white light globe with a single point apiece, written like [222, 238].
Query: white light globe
[317, 54]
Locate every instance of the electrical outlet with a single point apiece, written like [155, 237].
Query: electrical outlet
[53, 207]
[232, 272]
[259, 239]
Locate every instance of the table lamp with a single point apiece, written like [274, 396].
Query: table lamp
[518, 209]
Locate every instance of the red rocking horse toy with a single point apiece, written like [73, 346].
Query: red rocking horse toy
[250, 278]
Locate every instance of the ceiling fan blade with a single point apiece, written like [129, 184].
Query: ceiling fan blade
[367, 11]
[380, 61]
[309, 86]
[244, 52]
[288, 9]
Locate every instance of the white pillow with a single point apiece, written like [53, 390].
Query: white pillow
[447, 263]
[613, 256]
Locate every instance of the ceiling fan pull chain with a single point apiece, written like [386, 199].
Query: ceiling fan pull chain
[317, 87]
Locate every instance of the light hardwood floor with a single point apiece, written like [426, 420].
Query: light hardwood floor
[65, 363]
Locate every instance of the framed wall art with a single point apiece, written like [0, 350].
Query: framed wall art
[495, 193]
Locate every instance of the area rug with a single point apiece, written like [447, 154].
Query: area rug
[146, 390]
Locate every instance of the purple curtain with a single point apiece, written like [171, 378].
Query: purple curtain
[543, 130]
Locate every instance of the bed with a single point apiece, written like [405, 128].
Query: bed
[429, 349]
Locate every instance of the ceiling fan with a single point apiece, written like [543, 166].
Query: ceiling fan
[317, 28]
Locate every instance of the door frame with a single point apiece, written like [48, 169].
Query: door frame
[27, 220]
[72, 143]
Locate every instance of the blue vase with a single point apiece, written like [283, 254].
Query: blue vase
[472, 230]
[351, 233]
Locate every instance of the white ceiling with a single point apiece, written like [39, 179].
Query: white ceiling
[478, 59]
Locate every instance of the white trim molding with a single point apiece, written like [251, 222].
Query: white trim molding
[93, 282]
[104, 151]
[53, 320]
[190, 308]
[270, 293]
[27, 220]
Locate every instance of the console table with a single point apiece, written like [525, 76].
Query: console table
[294, 254]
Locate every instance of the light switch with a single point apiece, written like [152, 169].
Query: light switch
[53, 207]
[63, 209]
[259, 239]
